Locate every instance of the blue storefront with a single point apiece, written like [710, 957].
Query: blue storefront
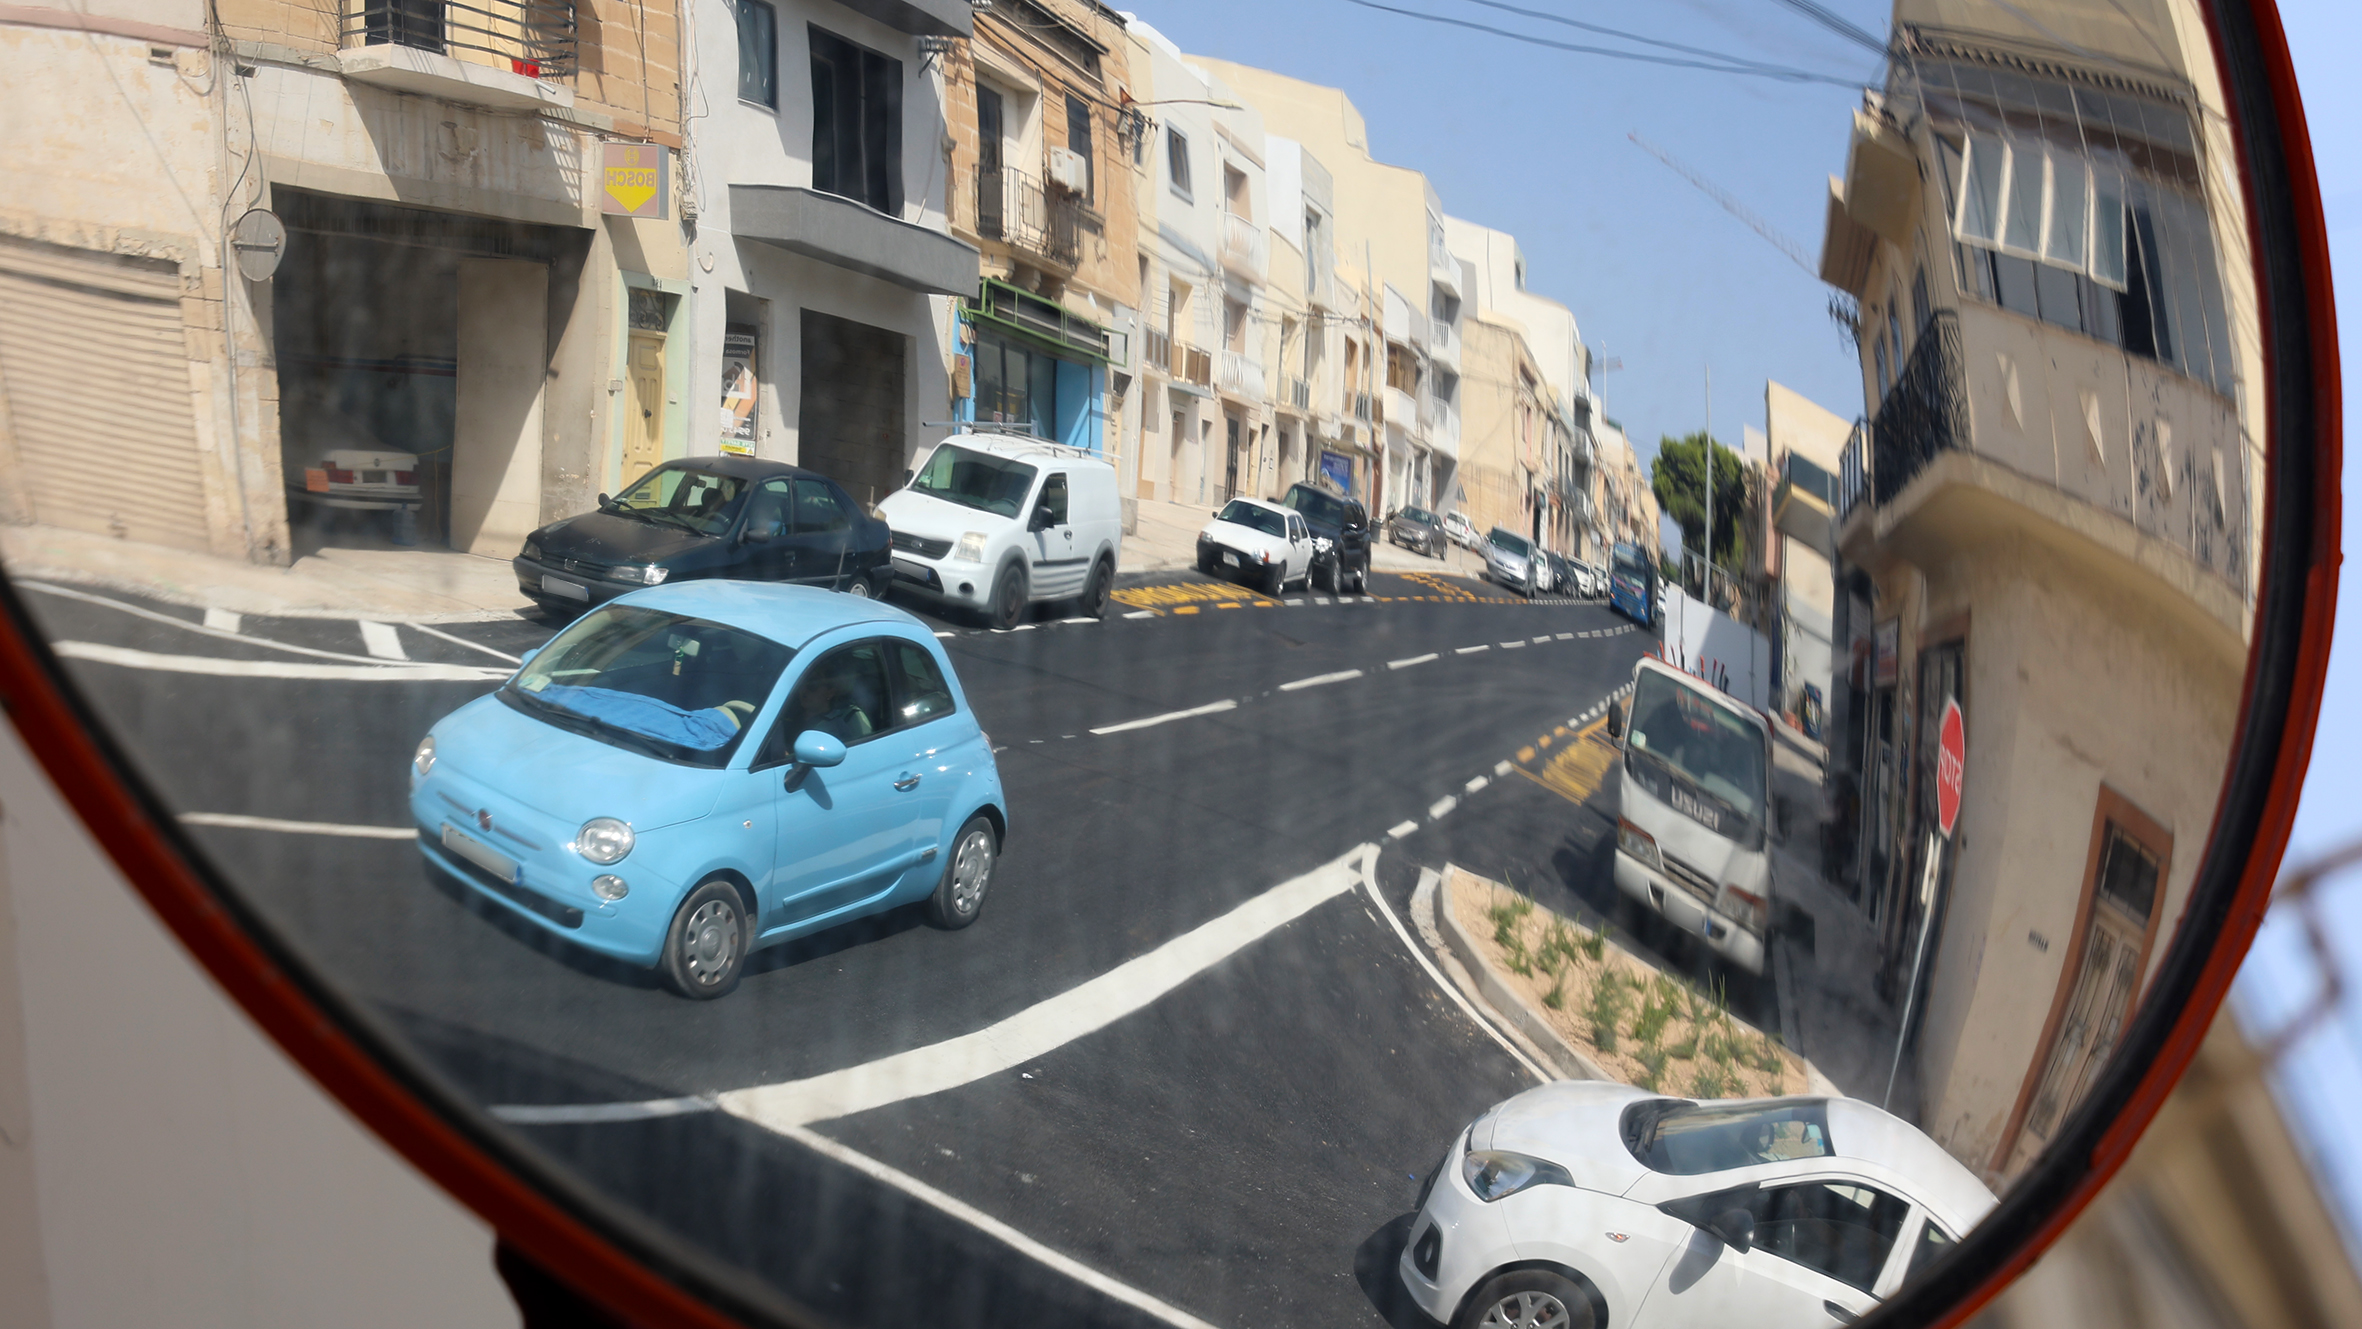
[1030, 364]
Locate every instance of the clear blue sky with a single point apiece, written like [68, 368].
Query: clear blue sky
[1533, 142]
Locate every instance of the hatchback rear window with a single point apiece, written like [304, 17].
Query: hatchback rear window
[1686, 1139]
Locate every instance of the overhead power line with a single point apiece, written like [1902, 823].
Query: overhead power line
[1718, 64]
[1837, 23]
[1780, 241]
[1564, 21]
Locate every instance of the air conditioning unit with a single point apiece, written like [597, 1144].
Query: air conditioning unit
[1069, 170]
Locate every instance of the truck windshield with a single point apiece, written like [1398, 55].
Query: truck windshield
[1703, 744]
[975, 480]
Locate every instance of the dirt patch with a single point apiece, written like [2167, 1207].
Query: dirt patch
[1640, 1024]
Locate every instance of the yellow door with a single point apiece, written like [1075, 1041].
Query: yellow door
[643, 435]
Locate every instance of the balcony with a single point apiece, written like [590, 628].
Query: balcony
[1299, 398]
[1853, 470]
[1012, 208]
[1804, 504]
[500, 53]
[1443, 343]
[1191, 365]
[1242, 376]
[1246, 249]
[1157, 350]
[1924, 414]
[1401, 409]
[1362, 408]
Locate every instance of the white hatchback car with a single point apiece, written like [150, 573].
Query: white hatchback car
[1263, 542]
[1587, 1203]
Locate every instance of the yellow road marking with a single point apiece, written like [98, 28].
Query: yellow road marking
[1525, 754]
[1578, 770]
[1186, 609]
[1188, 592]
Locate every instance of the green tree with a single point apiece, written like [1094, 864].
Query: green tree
[1676, 477]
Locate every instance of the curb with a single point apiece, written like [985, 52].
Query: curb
[1461, 960]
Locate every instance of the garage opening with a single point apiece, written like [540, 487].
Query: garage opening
[412, 348]
[851, 423]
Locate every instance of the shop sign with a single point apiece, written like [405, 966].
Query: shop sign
[740, 392]
[633, 179]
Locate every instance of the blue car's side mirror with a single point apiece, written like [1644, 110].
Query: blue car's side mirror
[813, 748]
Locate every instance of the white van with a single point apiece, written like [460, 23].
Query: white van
[997, 523]
[1693, 833]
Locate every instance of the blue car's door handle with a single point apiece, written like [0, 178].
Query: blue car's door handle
[907, 783]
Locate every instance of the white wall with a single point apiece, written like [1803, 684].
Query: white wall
[183, 1172]
[1699, 638]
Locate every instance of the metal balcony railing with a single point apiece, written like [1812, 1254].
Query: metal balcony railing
[1924, 413]
[1242, 375]
[1157, 350]
[1012, 207]
[1854, 469]
[536, 38]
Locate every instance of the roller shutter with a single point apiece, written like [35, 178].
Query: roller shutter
[95, 364]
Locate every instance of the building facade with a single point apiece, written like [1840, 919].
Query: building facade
[2047, 516]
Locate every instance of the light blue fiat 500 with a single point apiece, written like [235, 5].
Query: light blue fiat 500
[691, 773]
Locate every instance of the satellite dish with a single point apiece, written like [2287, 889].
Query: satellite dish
[259, 240]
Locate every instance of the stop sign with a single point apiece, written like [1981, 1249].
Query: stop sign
[1951, 758]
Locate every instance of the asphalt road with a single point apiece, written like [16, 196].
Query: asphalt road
[1231, 1149]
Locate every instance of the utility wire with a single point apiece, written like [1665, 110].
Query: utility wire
[1564, 21]
[1837, 23]
[1727, 65]
[1734, 207]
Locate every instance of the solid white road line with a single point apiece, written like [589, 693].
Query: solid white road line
[1473, 785]
[1048, 1025]
[206, 664]
[462, 641]
[1471, 650]
[1414, 660]
[1401, 829]
[1319, 679]
[382, 641]
[968, 1213]
[200, 629]
[1213, 708]
[236, 822]
[1451, 989]
[221, 620]
[1441, 808]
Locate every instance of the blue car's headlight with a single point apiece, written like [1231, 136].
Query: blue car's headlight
[603, 840]
[423, 760]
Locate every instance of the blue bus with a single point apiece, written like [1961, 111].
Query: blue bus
[1632, 584]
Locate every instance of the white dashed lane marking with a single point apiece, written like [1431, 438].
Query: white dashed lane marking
[1441, 808]
[1401, 829]
[1168, 717]
[1471, 650]
[1414, 660]
[1476, 784]
[1319, 679]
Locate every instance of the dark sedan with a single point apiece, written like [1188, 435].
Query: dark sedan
[726, 517]
[1417, 528]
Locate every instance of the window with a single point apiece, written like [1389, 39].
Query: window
[922, 694]
[758, 53]
[1015, 385]
[843, 695]
[1177, 161]
[991, 199]
[1841, 1229]
[767, 512]
[818, 509]
[1054, 497]
[856, 123]
[669, 686]
[1235, 199]
[1929, 1248]
[1078, 141]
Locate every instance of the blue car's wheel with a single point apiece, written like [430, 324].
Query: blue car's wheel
[959, 897]
[705, 948]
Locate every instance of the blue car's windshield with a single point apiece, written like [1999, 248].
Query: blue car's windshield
[681, 689]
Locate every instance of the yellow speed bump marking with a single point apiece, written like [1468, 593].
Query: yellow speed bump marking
[1185, 593]
[1578, 770]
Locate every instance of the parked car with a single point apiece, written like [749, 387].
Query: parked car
[1592, 580]
[1264, 543]
[1591, 1202]
[1417, 528]
[1340, 536]
[1509, 561]
[697, 771]
[1562, 576]
[359, 479]
[707, 517]
[998, 523]
[1693, 824]
[1461, 530]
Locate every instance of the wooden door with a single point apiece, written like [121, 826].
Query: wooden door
[643, 433]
